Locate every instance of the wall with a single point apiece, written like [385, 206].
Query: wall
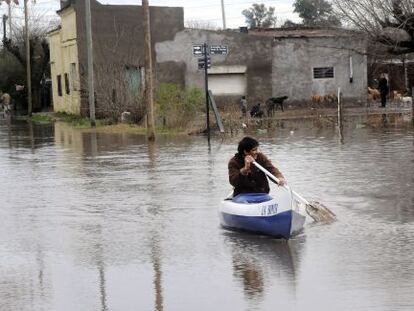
[254, 53]
[295, 58]
[64, 52]
[118, 38]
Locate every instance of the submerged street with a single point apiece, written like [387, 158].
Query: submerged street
[100, 221]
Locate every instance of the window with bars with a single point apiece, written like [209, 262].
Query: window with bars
[73, 76]
[59, 85]
[67, 86]
[323, 72]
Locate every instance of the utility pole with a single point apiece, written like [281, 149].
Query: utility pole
[149, 92]
[28, 62]
[10, 21]
[91, 87]
[223, 14]
[4, 26]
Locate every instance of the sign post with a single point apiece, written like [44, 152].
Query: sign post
[206, 89]
[204, 62]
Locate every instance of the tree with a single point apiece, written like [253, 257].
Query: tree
[289, 24]
[258, 16]
[39, 49]
[316, 13]
[197, 24]
[388, 22]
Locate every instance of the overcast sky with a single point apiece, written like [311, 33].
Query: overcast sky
[208, 11]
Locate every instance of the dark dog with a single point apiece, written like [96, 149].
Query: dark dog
[273, 102]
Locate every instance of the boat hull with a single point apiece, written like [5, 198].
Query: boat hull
[279, 217]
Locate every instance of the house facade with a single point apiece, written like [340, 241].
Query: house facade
[300, 64]
[118, 51]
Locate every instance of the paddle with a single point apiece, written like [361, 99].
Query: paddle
[316, 210]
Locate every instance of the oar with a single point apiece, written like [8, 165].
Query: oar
[316, 210]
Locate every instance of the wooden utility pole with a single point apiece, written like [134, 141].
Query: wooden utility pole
[412, 105]
[91, 86]
[149, 90]
[10, 21]
[4, 26]
[28, 63]
[223, 14]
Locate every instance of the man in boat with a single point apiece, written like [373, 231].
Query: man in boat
[244, 176]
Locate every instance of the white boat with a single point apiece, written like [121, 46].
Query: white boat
[279, 215]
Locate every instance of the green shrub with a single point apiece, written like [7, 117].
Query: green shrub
[177, 107]
[41, 118]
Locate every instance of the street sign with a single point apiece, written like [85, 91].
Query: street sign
[219, 50]
[198, 49]
[201, 62]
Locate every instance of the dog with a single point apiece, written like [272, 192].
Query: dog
[273, 102]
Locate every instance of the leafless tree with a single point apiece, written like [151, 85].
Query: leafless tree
[199, 24]
[118, 75]
[388, 22]
[39, 48]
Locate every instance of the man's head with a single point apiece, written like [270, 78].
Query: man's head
[248, 146]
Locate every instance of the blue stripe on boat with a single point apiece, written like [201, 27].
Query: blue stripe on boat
[246, 198]
[278, 225]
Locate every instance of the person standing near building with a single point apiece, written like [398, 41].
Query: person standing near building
[5, 100]
[243, 105]
[383, 88]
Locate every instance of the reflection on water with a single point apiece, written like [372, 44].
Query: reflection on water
[258, 258]
[101, 221]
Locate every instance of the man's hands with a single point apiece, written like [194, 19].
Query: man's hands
[282, 182]
[248, 160]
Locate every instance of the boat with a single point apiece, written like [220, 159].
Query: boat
[279, 215]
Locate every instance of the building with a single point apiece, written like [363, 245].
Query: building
[298, 63]
[118, 50]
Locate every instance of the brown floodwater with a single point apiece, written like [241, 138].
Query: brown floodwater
[110, 222]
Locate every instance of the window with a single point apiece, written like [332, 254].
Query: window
[323, 72]
[73, 76]
[134, 79]
[59, 85]
[67, 86]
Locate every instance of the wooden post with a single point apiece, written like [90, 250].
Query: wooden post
[340, 112]
[412, 105]
[4, 26]
[10, 21]
[28, 62]
[91, 80]
[340, 117]
[149, 90]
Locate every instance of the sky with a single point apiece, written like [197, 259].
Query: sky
[206, 12]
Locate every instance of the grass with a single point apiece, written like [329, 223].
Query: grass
[77, 121]
[41, 118]
[102, 126]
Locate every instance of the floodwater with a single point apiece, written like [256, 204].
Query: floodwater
[109, 222]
